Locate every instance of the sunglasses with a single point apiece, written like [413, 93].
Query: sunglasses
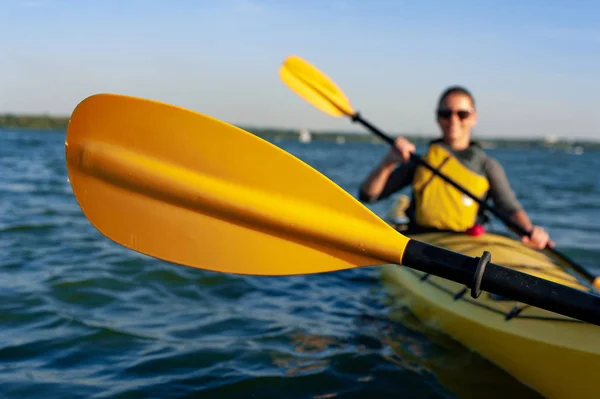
[447, 114]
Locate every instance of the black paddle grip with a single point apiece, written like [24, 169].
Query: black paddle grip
[503, 281]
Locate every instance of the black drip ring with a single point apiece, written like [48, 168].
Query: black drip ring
[481, 265]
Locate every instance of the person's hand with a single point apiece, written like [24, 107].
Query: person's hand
[400, 152]
[539, 238]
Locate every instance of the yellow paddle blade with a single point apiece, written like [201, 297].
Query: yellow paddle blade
[192, 190]
[314, 86]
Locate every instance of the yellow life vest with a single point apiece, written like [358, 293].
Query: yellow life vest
[437, 203]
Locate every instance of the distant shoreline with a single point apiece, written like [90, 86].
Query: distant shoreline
[41, 122]
[47, 122]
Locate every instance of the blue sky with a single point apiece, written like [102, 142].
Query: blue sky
[533, 65]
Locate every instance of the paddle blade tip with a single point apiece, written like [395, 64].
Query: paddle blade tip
[314, 86]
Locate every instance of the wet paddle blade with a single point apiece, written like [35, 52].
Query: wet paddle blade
[314, 86]
[189, 189]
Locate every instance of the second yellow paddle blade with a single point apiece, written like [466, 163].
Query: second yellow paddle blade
[189, 189]
[314, 86]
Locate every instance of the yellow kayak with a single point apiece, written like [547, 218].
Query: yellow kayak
[555, 355]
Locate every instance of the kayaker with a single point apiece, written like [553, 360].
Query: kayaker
[435, 204]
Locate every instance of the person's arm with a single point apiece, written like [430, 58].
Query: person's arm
[520, 217]
[375, 183]
[506, 201]
[539, 237]
[387, 177]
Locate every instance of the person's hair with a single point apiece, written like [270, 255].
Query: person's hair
[456, 90]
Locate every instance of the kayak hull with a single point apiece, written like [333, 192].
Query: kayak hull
[555, 355]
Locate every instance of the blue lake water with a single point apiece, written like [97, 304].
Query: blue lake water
[83, 317]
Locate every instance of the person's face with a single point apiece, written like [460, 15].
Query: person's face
[456, 118]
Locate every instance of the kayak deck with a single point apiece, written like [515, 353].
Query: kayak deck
[555, 355]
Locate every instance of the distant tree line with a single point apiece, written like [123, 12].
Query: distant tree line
[33, 121]
[47, 122]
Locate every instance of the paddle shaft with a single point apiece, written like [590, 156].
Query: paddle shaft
[510, 223]
[503, 281]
